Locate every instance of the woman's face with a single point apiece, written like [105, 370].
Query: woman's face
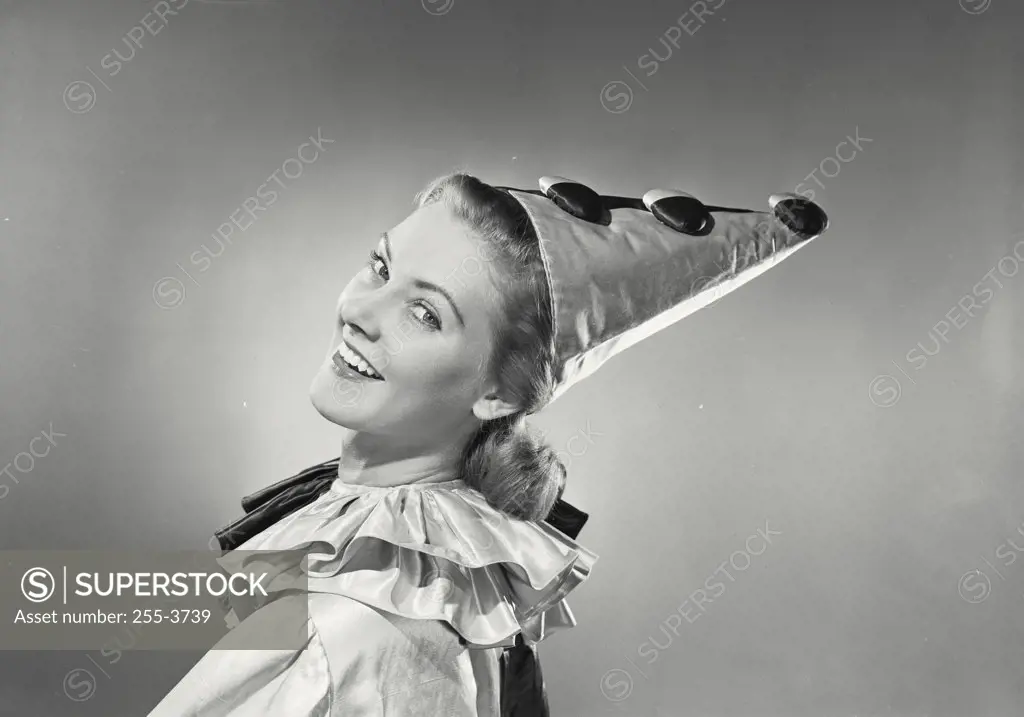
[422, 316]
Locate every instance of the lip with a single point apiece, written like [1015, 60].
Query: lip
[342, 370]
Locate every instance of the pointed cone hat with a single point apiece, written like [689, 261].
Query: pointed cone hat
[620, 269]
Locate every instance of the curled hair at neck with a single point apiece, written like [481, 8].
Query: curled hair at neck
[508, 461]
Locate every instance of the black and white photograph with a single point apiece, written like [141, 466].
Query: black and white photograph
[511, 358]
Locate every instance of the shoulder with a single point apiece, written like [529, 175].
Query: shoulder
[240, 676]
[349, 628]
[380, 661]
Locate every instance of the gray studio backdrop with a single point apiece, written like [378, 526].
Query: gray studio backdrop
[806, 498]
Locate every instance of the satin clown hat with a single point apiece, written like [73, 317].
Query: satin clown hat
[621, 269]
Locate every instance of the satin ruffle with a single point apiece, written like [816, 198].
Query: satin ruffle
[424, 551]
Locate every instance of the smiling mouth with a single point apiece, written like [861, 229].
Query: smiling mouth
[345, 358]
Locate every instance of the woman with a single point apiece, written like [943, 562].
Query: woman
[427, 551]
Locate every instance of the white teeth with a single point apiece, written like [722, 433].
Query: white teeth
[352, 359]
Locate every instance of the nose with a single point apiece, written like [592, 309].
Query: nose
[363, 311]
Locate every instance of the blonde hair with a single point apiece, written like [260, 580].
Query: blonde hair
[506, 460]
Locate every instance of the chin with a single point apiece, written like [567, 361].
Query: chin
[338, 400]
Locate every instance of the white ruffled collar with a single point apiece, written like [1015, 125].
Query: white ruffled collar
[425, 551]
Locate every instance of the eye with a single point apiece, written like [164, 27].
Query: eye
[429, 317]
[372, 263]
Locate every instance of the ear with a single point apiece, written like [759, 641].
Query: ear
[491, 406]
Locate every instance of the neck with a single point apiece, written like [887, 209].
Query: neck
[376, 460]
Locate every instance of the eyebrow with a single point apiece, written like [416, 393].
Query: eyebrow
[426, 285]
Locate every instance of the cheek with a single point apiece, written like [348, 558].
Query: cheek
[445, 376]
